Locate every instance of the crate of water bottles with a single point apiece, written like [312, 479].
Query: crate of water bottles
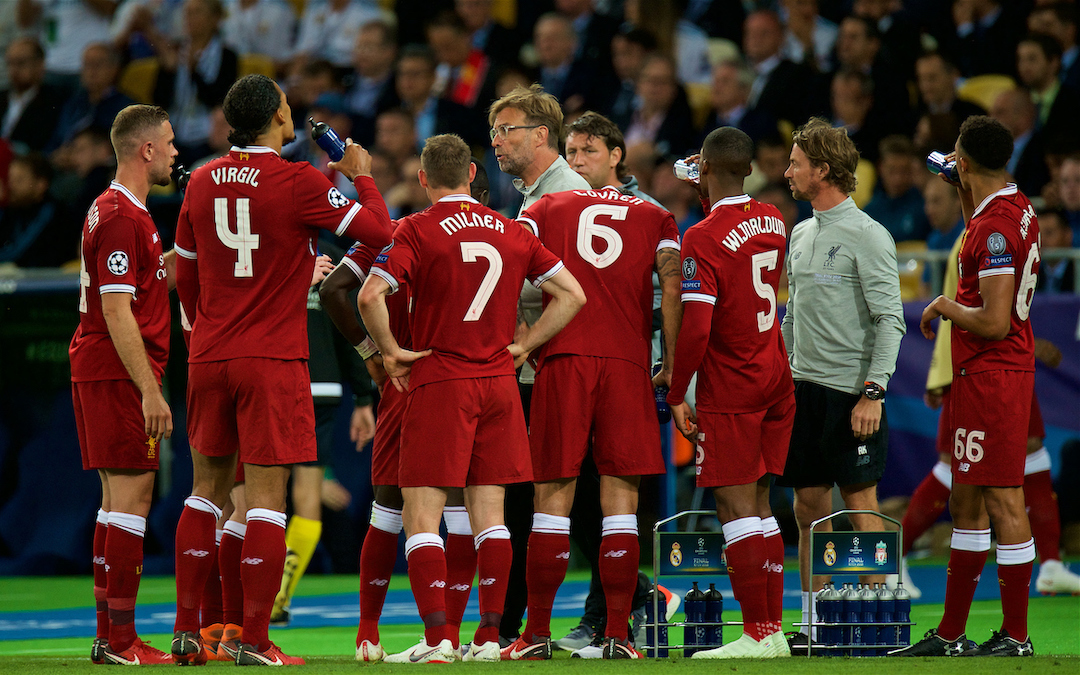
[683, 554]
[857, 619]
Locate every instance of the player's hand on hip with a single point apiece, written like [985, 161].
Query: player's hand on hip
[324, 265]
[685, 421]
[865, 418]
[376, 371]
[362, 426]
[399, 366]
[156, 415]
[518, 352]
[356, 162]
[928, 315]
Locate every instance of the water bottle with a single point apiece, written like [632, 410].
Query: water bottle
[714, 613]
[903, 614]
[818, 611]
[694, 609]
[936, 163]
[832, 635]
[663, 411]
[684, 170]
[657, 640]
[327, 139]
[849, 614]
[869, 619]
[886, 612]
[183, 175]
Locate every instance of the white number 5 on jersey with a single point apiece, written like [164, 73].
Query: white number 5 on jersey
[765, 261]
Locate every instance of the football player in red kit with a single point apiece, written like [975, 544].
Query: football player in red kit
[245, 247]
[463, 425]
[993, 361]
[118, 354]
[732, 263]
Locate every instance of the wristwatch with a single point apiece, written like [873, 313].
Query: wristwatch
[873, 391]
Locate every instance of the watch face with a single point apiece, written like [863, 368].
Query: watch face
[873, 392]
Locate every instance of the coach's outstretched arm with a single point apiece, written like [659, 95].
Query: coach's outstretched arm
[567, 299]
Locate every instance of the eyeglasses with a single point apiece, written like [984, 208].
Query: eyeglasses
[503, 130]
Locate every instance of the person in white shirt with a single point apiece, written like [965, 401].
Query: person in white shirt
[264, 27]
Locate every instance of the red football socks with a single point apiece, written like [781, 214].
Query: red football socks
[232, 588]
[194, 558]
[211, 606]
[545, 568]
[927, 504]
[494, 557]
[261, 565]
[1014, 578]
[749, 579]
[377, 558]
[427, 577]
[461, 563]
[970, 548]
[619, 555]
[774, 579]
[1042, 507]
[123, 558]
[101, 530]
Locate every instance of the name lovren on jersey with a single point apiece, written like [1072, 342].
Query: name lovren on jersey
[741, 233]
[234, 174]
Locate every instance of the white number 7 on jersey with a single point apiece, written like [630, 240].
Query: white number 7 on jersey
[471, 251]
[242, 241]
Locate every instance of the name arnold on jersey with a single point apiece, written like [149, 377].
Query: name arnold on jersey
[234, 174]
[741, 233]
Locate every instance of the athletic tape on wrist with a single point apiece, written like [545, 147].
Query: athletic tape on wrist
[366, 349]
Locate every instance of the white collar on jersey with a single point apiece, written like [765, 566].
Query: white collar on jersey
[257, 149]
[458, 198]
[1009, 189]
[727, 201]
[127, 193]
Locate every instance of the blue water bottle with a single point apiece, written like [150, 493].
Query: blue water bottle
[936, 163]
[663, 411]
[886, 612]
[714, 613]
[657, 639]
[832, 635]
[327, 139]
[694, 609]
[903, 614]
[869, 620]
[850, 614]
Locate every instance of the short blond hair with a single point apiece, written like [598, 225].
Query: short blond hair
[540, 108]
[824, 145]
[445, 159]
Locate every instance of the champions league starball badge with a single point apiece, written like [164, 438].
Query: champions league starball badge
[118, 263]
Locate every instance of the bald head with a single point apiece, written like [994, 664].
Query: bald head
[728, 152]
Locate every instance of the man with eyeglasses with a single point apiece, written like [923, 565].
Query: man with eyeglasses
[526, 126]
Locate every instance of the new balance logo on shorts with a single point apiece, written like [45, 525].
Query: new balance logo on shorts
[252, 561]
[438, 583]
[196, 553]
[378, 582]
[615, 554]
[487, 582]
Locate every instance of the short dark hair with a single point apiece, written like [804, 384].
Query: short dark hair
[1049, 46]
[871, 28]
[418, 51]
[946, 62]
[448, 18]
[37, 164]
[480, 186]
[445, 159]
[896, 144]
[594, 124]
[130, 127]
[249, 106]
[986, 142]
[730, 150]
[388, 32]
[642, 38]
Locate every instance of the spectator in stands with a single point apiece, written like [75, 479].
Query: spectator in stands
[33, 231]
[675, 36]
[194, 77]
[781, 88]
[936, 78]
[936, 131]
[384, 172]
[628, 51]
[465, 75]
[594, 33]
[306, 85]
[661, 123]
[71, 26]
[263, 27]
[1055, 275]
[897, 203]
[729, 96]
[1038, 62]
[941, 204]
[139, 26]
[809, 37]
[328, 30]
[219, 137]
[983, 36]
[9, 30]
[371, 89]
[900, 36]
[771, 158]
[561, 74]
[432, 115]
[1059, 19]
[89, 165]
[395, 136]
[1027, 166]
[96, 102]
[408, 195]
[1069, 193]
[852, 100]
[858, 48]
[29, 109]
[486, 34]
[779, 196]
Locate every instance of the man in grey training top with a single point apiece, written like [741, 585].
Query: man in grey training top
[842, 330]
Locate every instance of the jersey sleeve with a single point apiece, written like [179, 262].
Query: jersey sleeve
[994, 251]
[698, 275]
[322, 205]
[187, 269]
[543, 264]
[117, 260]
[669, 233]
[359, 259]
[396, 263]
[533, 217]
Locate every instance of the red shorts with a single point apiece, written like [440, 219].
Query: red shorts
[464, 432]
[111, 426]
[740, 448]
[387, 444]
[261, 407]
[944, 426]
[1036, 428]
[989, 430]
[578, 399]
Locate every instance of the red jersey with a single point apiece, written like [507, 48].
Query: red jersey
[732, 262]
[249, 221]
[359, 259]
[465, 264]
[608, 240]
[121, 253]
[1002, 238]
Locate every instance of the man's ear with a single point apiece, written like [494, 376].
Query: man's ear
[422, 175]
[146, 151]
[472, 171]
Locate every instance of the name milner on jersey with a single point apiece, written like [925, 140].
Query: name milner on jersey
[236, 174]
[460, 221]
[741, 233]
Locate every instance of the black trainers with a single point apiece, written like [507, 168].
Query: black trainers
[280, 618]
[1001, 644]
[616, 649]
[187, 648]
[933, 644]
[798, 643]
[97, 650]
